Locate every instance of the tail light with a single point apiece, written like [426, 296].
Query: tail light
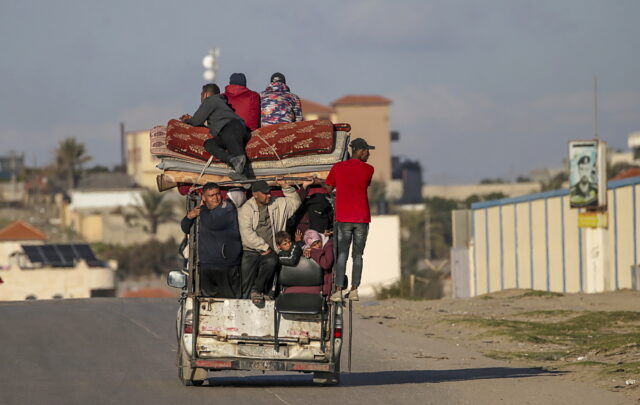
[188, 322]
[337, 333]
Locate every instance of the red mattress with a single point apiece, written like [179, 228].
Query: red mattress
[288, 140]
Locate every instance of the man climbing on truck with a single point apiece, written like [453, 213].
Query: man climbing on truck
[229, 132]
[351, 179]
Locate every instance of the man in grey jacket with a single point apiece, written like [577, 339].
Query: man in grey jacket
[259, 220]
[230, 135]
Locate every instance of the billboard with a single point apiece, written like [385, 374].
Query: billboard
[587, 174]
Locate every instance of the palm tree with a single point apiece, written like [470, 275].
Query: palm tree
[70, 156]
[154, 209]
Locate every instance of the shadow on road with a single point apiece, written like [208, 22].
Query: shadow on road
[363, 379]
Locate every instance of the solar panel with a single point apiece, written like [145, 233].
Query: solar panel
[33, 253]
[67, 253]
[61, 255]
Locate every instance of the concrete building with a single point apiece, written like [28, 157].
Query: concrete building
[462, 191]
[109, 216]
[369, 119]
[141, 164]
[23, 278]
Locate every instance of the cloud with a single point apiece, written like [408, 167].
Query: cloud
[454, 131]
[102, 139]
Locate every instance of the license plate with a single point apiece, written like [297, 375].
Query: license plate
[263, 351]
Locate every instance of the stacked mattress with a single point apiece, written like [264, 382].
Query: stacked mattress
[299, 149]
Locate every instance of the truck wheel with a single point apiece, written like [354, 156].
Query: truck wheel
[324, 378]
[185, 370]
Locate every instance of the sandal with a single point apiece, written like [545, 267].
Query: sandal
[256, 298]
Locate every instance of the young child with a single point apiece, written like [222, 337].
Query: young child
[290, 252]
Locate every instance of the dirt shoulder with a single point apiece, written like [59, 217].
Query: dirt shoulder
[593, 338]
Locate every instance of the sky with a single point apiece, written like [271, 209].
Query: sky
[480, 89]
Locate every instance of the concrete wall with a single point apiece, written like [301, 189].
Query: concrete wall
[47, 283]
[381, 255]
[534, 242]
[462, 191]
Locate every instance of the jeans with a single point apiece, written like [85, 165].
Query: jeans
[347, 232]
[257, 272]
[220, 283]
[229, 142]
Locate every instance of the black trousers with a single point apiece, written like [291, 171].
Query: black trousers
[229, 142]
[257, 272]
[220, 283]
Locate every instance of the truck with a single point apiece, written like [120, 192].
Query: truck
[293, 332]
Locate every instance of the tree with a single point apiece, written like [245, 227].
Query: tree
[70, 156]
[554, 183]
[154, 209]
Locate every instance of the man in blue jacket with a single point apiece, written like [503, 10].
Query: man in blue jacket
[219, 245]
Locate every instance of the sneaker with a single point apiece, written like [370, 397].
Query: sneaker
[238, 162]
[336, 296]
[353, 295]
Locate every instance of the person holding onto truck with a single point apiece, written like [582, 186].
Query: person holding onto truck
[278, 104]
[245, 102]
[219, 244]
[289, 252]
[314, 246]
[229, 132]
[351, 179]
[260, 218]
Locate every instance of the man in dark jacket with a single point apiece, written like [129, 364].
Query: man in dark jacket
[245, 102]
[229, 132]
[219, 245]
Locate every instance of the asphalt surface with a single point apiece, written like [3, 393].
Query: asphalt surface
[123, 351]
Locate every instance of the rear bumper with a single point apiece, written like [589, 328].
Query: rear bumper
[269, 365]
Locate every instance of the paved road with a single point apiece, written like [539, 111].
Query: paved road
[119, 351]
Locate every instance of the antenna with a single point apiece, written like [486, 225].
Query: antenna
[210, 63]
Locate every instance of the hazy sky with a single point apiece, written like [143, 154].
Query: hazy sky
[479, 89]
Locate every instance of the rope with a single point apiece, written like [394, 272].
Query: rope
[275, 153]
[195, 185]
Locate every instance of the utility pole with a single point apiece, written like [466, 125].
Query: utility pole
[123, 149]
[595, 106]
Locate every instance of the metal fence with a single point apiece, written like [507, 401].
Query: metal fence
[534, 242]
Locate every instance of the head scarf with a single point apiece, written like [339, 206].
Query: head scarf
[238, 197]
[310, 237]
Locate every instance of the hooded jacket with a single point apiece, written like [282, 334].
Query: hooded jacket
[279, 105]
[246, 103]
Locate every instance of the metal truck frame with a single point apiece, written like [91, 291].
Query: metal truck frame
[217, 334]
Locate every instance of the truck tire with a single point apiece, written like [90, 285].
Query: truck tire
[325, 378]
[185, 371]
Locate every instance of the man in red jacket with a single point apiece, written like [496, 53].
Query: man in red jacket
[351, 179]
[245, 102]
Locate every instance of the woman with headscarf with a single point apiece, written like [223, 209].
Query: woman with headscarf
[319, 248]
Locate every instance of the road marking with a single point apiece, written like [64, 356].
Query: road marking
[277, 396]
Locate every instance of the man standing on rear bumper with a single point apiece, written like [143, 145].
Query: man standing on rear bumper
[219, 245]
[351, 179]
